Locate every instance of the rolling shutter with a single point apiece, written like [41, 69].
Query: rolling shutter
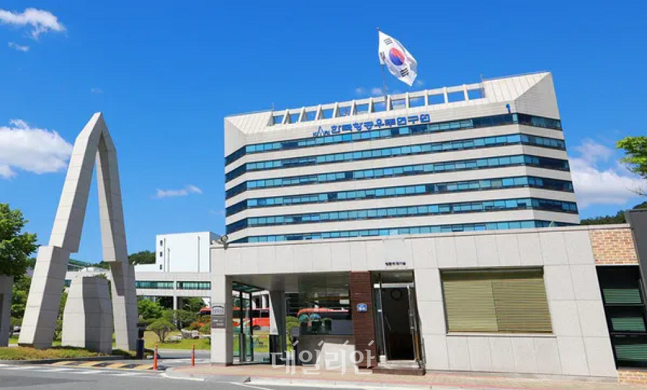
[470, 305]
[521, 304]
[496, 301]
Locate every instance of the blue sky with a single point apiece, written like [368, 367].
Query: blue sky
[165, 75]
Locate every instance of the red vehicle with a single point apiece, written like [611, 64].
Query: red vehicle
[260, 320]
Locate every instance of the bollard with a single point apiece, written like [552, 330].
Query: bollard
[155, 359]
[193, 355]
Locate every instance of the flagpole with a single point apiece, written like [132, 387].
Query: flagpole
[386, 93]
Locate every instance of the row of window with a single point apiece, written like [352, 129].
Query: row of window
[464, 227]
[433, 147]
[406, 211]
[412, 190]
[168, 285]
[406, 170]
[473, 123]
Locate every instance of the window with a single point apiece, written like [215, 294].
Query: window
[467, 227]
[194, 285]
[625, 312]
[379, 106]
[510, 301]
[154, 285]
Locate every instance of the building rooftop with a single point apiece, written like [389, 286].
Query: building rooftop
[494, 90]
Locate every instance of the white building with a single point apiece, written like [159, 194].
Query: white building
[430, 228]
[181, 252]
[485, 156]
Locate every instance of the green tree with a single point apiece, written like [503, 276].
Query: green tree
[143, 257]
[161, 328]
[19, 298]
[635, 157]
[180, 318]
[192, 304]
[59, 320]
[149, 309]
[611, 219]
[15, 245]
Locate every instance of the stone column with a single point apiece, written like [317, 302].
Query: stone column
[87, 319]
[277, 318]
[124, 305]
[222, 342]
[6, 291]
[361, 291]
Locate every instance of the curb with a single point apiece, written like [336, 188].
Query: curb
[172, 374]
[51, 361]
[267, 381]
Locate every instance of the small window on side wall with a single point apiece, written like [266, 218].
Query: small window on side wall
[488, 301]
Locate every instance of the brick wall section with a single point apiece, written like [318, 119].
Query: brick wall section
[361, 291]
[613, 246]
[632, 377]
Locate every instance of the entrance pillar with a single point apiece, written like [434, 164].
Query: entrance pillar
[277, 323]
[6, 291]
[222, 342]
[361, 292]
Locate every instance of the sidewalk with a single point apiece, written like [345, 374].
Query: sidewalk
[266, 375]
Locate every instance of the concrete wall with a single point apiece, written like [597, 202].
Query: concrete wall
[6, 290]
[579, 344]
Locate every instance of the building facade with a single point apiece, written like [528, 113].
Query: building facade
[434, 230]
[484, 156]
[181, 252]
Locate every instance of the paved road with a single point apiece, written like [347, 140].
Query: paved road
[67, 378]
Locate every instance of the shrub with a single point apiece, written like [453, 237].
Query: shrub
[206, 329]
[161, 328]
[194, 326]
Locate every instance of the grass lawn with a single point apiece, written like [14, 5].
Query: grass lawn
[151, 340]
[26, 353]
[14, 340]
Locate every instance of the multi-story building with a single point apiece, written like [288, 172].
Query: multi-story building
[483, 156]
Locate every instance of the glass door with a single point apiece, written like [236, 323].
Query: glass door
[397, 320]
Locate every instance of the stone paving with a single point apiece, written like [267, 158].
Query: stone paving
[266, 374]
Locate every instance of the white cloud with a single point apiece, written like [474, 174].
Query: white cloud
[596, 185]
[375, 91]
[186, 191]
[96, 90]
[31, 149]
[420, 82]
[18, 47]
[40, 21]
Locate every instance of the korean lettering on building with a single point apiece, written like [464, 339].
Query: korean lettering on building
[369, 125]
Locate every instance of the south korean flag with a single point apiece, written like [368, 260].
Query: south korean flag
[400, 62]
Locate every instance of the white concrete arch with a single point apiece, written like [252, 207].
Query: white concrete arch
[93, 143]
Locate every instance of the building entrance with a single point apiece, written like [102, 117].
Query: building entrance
[397, 317]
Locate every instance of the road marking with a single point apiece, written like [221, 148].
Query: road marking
[164, 375]
[89, 364]
[250, 386]
[63, 363]
[130, 374]
[88, 372]
[54, 369]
